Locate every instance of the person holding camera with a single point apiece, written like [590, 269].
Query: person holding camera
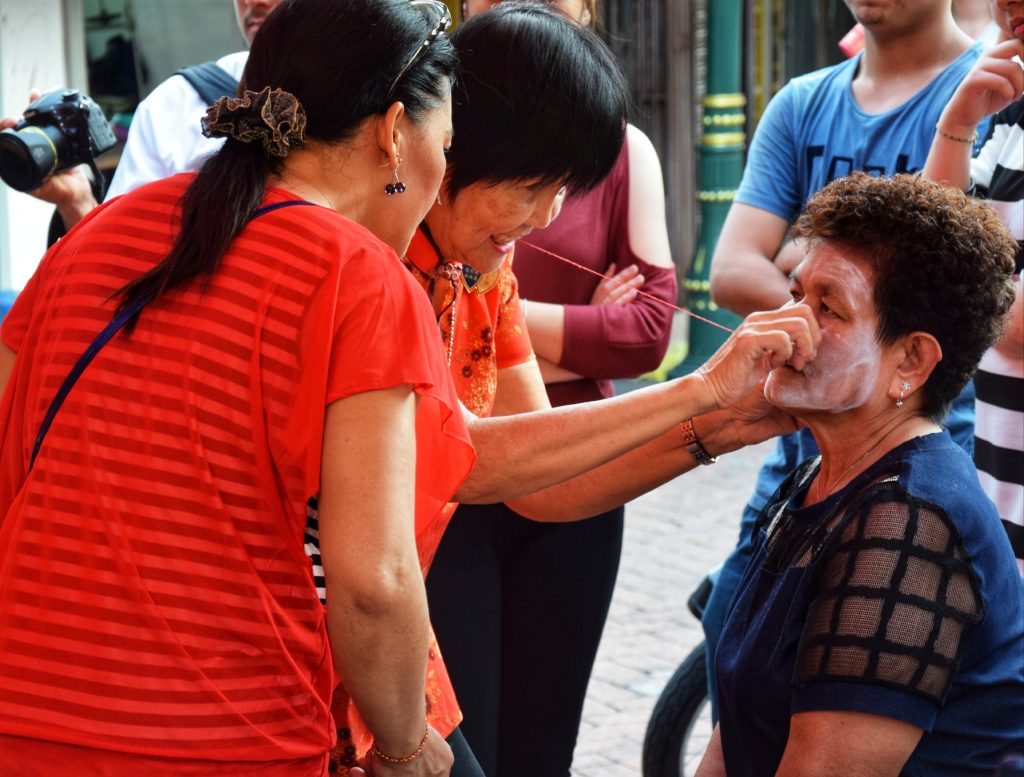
[165, 136]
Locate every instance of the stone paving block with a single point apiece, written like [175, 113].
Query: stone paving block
[673, 537]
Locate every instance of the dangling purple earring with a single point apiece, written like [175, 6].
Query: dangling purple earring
[394, 188]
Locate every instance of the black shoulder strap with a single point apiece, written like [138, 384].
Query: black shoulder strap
[210, 80]
[105, 336]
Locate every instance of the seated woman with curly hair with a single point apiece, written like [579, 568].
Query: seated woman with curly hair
[878, 629]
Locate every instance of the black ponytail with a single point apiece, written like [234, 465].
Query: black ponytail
[214, 210]
[339, 59]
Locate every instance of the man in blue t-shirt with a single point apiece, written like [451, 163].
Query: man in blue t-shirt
[876, 112]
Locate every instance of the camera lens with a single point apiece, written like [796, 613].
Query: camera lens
[28, 156]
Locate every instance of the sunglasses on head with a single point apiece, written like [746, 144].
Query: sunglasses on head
[430, 9]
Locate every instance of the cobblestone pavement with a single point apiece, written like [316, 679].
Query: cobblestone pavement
[674, 536]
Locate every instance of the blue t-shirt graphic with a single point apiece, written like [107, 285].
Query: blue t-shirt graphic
[813, 131]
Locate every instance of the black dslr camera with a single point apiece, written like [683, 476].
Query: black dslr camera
[61, 129]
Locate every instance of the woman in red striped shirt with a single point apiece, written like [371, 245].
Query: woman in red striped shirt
[157, 610]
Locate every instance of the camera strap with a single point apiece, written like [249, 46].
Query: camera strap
[210, 81]
[105, 337]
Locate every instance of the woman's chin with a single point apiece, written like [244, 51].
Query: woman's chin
[776, 389]
[790, 399]
[488, 256]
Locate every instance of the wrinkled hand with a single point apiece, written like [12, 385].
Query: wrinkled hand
[755, 419]
[620, 287]
[435, 761]
[751, 420]
[68, 189]
[764, 341]
[994, 82]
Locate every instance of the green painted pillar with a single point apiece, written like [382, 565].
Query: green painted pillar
[719, 169]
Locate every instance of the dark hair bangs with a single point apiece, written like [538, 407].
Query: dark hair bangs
[538, 98]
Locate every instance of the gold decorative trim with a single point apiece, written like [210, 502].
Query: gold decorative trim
[734, 100]
[719, 139]
[721, 195]
[697, 285]
[724, 120]
[706, 306]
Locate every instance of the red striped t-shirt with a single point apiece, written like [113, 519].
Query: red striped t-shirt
[155, 597]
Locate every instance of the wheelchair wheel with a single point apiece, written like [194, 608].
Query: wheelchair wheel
[680, 725]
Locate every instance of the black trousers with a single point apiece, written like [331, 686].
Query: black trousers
[518, 608]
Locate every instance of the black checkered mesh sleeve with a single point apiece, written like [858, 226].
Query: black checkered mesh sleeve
[895, 601]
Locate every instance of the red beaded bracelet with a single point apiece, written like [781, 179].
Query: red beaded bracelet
[376, 752]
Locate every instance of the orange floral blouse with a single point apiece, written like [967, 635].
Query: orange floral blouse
[490, 331]
[489, 334]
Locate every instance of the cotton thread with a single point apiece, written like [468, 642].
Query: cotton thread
[638, 291]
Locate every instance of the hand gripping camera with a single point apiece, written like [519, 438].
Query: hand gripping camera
[61, 129]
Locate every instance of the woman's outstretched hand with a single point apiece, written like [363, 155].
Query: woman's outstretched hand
[764, 341]
[435, 761]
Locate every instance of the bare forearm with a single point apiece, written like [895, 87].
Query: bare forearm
[552, 373]
[788, 257]
[521, 454]
[851, 744]
[713, 762]
[731, 287]
[73, 211]
[546, 323]
[744, 275]
[381, 653]
[377, 610]
[949, 161]
[610, 485]
[643, 469]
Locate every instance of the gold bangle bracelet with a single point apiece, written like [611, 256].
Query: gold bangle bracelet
[376, 752]
[969, 141]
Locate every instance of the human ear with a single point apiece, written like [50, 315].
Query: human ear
[389, 134]
[918, 354]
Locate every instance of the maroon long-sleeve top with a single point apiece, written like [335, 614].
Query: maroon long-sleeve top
[602, 342]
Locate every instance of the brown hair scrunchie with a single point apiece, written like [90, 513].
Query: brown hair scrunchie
[273, 116]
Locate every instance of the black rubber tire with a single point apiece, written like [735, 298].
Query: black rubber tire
[674, 715]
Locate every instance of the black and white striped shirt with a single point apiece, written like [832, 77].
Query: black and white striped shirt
[998, 174]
